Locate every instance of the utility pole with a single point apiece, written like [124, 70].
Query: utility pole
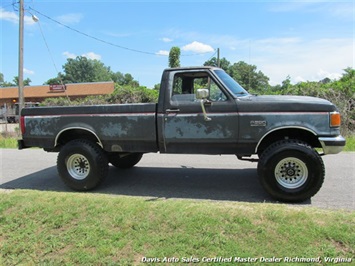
[218, 60]
[20, 58]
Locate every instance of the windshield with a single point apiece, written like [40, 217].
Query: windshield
[231, 84]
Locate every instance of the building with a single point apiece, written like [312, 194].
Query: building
[9, 95]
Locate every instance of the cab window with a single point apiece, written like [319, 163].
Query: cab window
[185, 86]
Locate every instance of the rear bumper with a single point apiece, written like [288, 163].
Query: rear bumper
[332, 145]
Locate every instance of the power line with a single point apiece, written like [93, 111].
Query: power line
[213, 55]
[7, 5]
[49, 51]
[51, 56]
[92, 37]
[103, 41]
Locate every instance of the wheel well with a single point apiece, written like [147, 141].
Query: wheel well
[76, 133]
[289, 133]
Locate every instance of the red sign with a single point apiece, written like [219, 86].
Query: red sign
[57, 88]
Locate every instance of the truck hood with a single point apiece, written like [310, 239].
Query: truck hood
[283, 103]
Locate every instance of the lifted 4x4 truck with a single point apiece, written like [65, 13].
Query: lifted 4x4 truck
[201, 110]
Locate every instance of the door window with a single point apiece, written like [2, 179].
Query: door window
[186, 85]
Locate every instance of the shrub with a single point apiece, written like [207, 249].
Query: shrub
[121, 95]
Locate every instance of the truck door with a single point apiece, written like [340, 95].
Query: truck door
[185, 129]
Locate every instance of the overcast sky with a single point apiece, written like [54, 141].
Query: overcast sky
[306, 40]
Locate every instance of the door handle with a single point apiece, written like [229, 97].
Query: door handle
[172, 110]
[207, 103]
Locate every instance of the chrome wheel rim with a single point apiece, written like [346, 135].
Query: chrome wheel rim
[291, 173]
[78, 166]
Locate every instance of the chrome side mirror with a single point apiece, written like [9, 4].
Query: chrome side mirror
[203, 94]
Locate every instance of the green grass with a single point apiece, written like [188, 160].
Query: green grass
[51, 228]
[8, 142]
[350, 144]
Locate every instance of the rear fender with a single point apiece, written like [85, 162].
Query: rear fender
[76, 133]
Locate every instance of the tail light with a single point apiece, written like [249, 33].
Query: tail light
[22, 125]
[335, 119]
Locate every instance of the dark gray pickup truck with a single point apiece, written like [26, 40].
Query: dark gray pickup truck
[200, 110]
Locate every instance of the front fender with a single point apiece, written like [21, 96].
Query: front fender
[273, 131]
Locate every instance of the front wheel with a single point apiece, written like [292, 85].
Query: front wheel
[291, 170]
[82, 165]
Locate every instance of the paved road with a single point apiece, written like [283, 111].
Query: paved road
[180, 176]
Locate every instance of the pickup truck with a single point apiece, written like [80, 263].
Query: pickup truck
[200, 110]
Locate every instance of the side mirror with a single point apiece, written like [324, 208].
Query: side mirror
[202, 94]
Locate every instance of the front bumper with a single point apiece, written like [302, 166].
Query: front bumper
[332, 145]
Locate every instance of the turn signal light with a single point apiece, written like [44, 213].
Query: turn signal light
[335, 119]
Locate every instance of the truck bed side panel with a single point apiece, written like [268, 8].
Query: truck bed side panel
[119, 128]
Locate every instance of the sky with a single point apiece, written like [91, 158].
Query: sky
[303, 40]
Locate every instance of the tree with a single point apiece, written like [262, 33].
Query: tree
[118, 78]
[286, 83]
[174, 57]
[4, 83]
[82, 69]
[26, 82]
[349, 75]
[124, 79]
[248, 77]
[224, 63]
[55, 81]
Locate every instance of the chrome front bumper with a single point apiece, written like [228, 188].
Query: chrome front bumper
[332, 145]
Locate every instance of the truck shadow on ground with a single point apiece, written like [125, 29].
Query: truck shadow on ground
[188, 183]
[159, 182]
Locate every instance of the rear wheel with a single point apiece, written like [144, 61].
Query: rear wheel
[125, 162]
[291, 170]
[82, 165]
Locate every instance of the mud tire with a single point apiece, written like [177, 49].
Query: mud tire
[291, 171]
[82, 165]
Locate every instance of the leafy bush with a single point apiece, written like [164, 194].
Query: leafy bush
[339, 92]
[128, 94]
[59, 101]
[121, 95]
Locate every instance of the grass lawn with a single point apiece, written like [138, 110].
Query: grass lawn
[350, 144]
[52, 228]
[8, 143]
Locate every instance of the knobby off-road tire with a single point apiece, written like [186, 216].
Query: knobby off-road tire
[291, 171]
[125, 162]
[82, 165]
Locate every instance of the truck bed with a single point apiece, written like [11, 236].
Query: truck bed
[119, 128]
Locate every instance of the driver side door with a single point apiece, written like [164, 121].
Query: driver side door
[185, 129]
